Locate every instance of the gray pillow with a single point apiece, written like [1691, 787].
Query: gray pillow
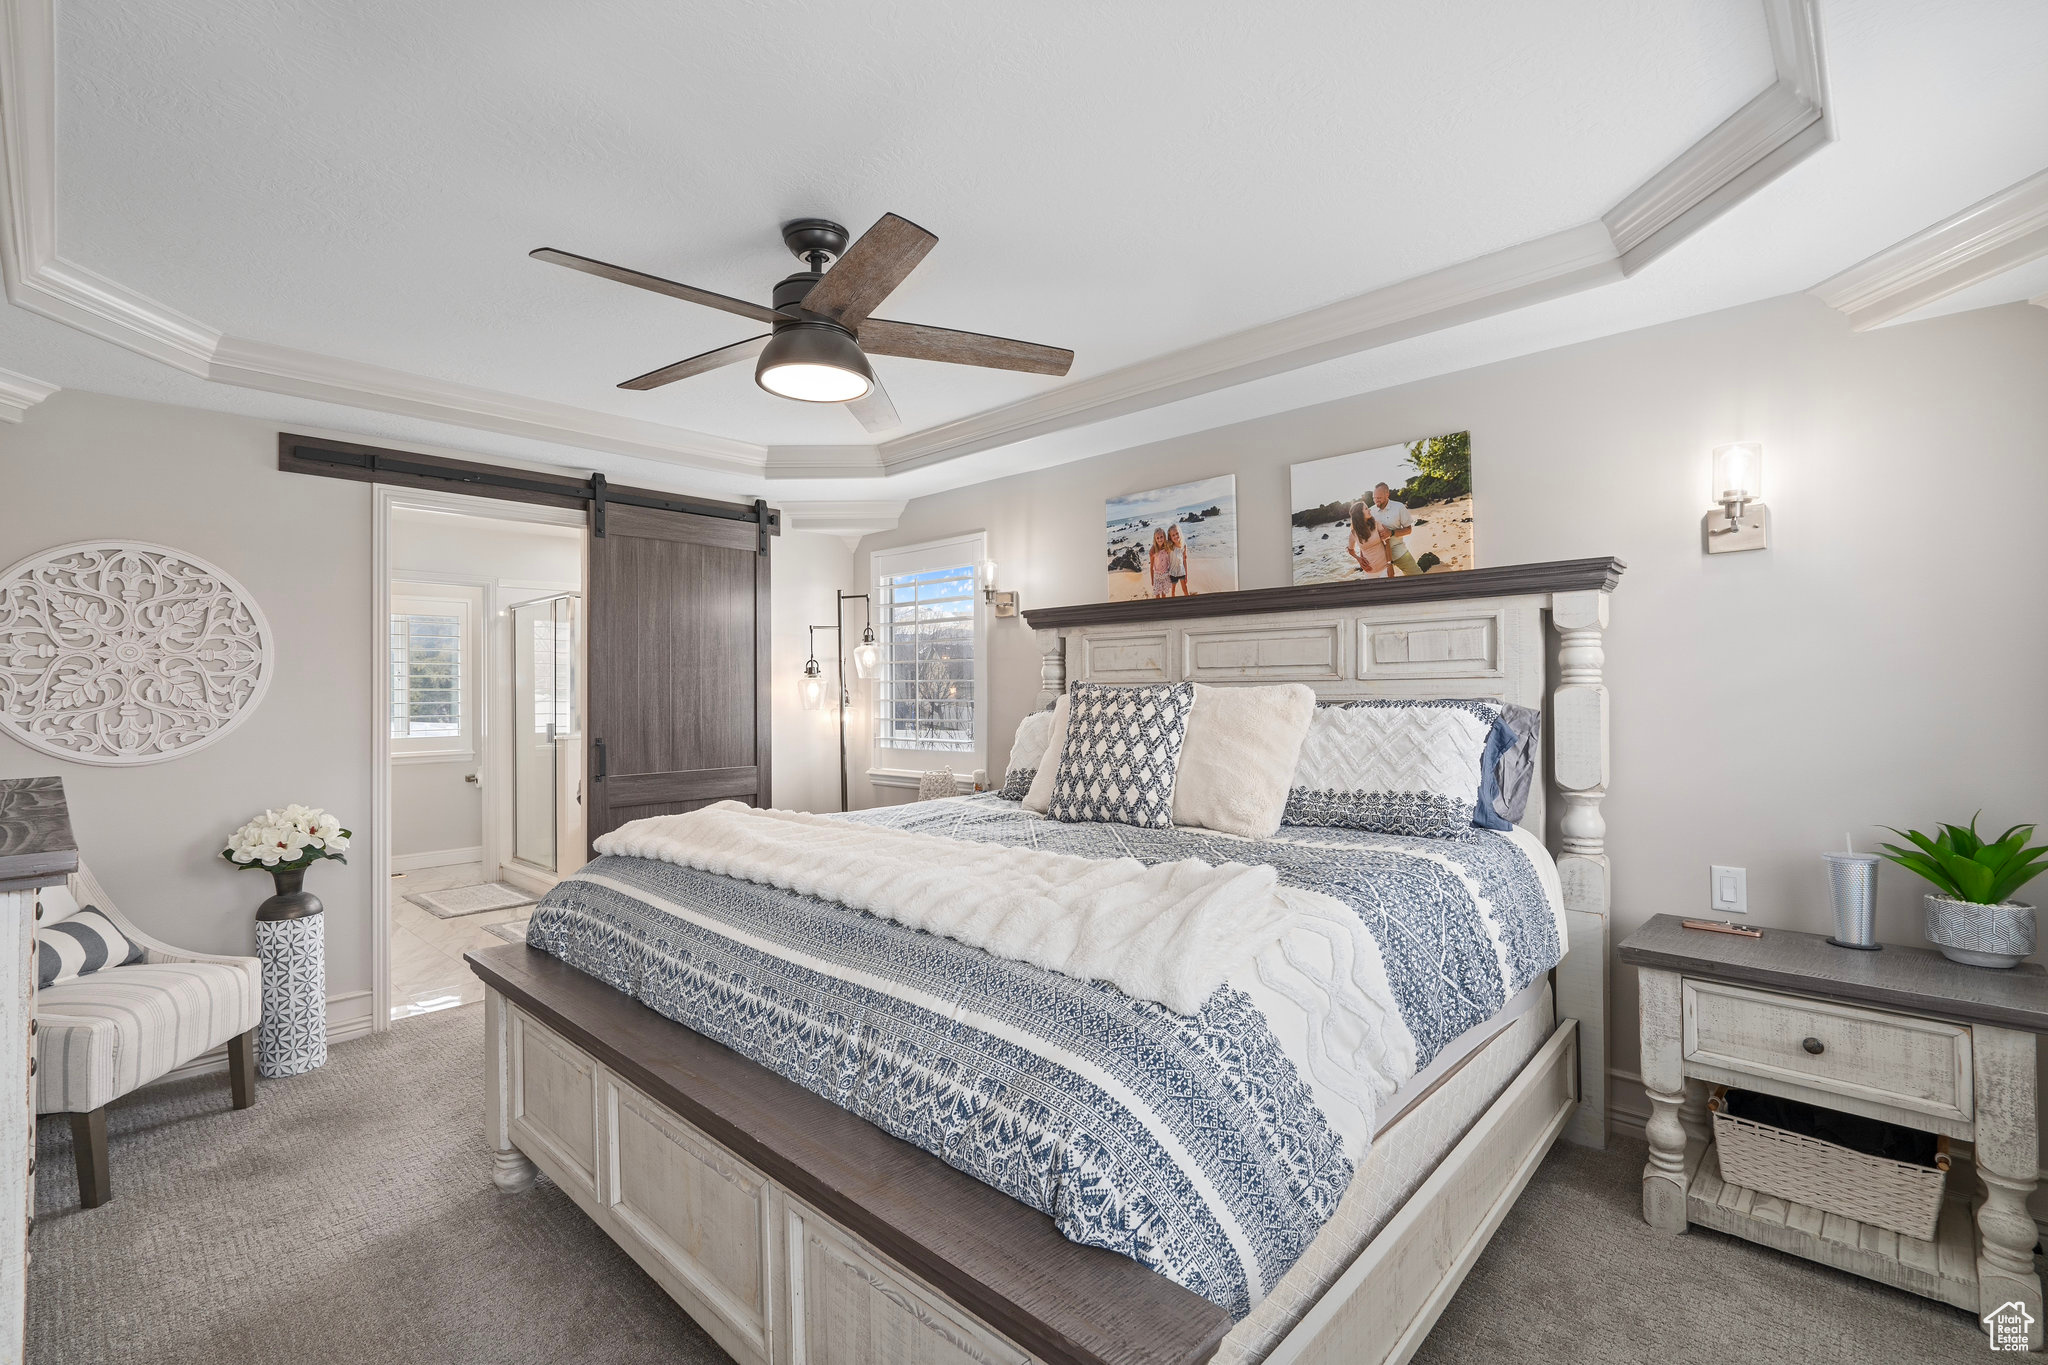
[1121, 754]
[1516, 771]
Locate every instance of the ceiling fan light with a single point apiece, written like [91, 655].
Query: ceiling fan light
[814, 363]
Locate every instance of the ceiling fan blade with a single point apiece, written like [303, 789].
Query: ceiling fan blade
[879, 336]
[689, 293]
[698, 364]
[875, 411]
[873, 266]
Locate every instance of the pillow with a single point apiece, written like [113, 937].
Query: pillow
[1122, 749]
[1395, 766]
[57, 901]
[1034, 733]
[1238, 759]
[1038, 797]
[1509, 767]
[87, 942]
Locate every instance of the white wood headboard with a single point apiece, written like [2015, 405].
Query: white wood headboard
[1484, 633]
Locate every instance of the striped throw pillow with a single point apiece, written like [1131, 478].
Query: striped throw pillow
[79, 946]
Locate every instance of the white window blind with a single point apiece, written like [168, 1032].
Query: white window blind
[426, 675]
[925, 623]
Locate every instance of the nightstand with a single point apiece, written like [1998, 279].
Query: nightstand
[1902, 1035]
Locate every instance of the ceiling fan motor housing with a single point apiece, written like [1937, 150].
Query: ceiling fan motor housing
[790, 292]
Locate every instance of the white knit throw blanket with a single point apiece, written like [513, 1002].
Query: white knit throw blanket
[1170, 933]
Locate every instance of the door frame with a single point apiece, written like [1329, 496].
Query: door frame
[385, 499]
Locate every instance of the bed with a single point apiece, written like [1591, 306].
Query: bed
[673, 1042]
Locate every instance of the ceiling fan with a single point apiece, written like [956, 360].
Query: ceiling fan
[823, 331]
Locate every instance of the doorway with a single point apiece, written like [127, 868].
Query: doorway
[481, 662]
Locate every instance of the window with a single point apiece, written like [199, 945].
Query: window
[928, 621]
[925, 623]
[430, 699]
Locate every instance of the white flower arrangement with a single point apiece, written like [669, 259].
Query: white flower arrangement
[281, 840]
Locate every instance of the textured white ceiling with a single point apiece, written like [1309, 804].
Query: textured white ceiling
[364, 180]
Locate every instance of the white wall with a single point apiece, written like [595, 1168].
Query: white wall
[434, 809]
[82, 466]
[805, 569]
[1882, 663]
[85, 465]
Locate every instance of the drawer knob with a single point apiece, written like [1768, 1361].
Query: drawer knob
[1813, 1045]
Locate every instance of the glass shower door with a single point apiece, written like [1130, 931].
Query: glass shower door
[544, 738]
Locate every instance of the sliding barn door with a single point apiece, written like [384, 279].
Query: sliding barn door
[679, 649]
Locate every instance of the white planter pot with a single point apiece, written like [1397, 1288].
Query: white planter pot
[1980, 935]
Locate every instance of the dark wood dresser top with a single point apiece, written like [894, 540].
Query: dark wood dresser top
[1917, 980]
[36, 847]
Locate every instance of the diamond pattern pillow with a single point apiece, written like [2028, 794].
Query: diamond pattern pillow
[1123, 747]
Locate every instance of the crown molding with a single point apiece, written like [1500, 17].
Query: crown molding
[1759, 142]
[1988, 238]
[825, 462]
[1753, 146]
[19, 393]
[304, 374]
[847, 520]
[1774, 131]
[1561, 263]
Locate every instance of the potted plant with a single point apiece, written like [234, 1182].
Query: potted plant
[1971, 917]
[285, 843]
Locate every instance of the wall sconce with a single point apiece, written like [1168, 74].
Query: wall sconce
[1743, 523]
[1002, 603]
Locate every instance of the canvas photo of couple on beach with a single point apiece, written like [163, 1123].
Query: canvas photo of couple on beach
[1389, 512]
[1177, 541]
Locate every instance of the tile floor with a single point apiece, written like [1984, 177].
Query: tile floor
[427, 971]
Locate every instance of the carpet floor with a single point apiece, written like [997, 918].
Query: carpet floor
[350, 1219]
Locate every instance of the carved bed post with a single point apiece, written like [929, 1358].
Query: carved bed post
[1578, 719]
[1052, 667]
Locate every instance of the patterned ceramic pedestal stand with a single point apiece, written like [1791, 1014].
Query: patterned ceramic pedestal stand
[291, 939]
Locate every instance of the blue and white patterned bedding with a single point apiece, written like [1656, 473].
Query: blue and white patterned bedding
[1192, 1144]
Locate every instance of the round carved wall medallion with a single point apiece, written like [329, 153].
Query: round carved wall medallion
[122, 653]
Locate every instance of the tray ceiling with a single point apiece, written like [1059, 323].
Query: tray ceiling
[360, 184]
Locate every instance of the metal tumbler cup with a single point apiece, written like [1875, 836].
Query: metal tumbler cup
[1852, 880]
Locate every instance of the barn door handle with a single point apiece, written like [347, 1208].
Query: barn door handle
[597, 746]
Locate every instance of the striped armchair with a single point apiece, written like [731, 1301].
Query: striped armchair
[109, 1032]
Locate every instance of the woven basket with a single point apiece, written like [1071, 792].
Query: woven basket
[1806, 1170]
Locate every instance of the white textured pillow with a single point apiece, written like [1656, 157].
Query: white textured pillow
[1396, 766]
[1238, 759]
[1039, 797]
[1034, 732]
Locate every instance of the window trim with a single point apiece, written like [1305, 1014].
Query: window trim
[418, 599]
[970, 548]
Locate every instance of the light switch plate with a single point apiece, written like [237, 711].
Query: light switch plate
[1729, 887]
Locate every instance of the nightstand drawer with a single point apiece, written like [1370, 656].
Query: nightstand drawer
[1918, 1065]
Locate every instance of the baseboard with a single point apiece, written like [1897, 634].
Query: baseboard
[1628, 1109]
[446, 857]
[351, 1014]
[530, 880]
[348, 1016]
